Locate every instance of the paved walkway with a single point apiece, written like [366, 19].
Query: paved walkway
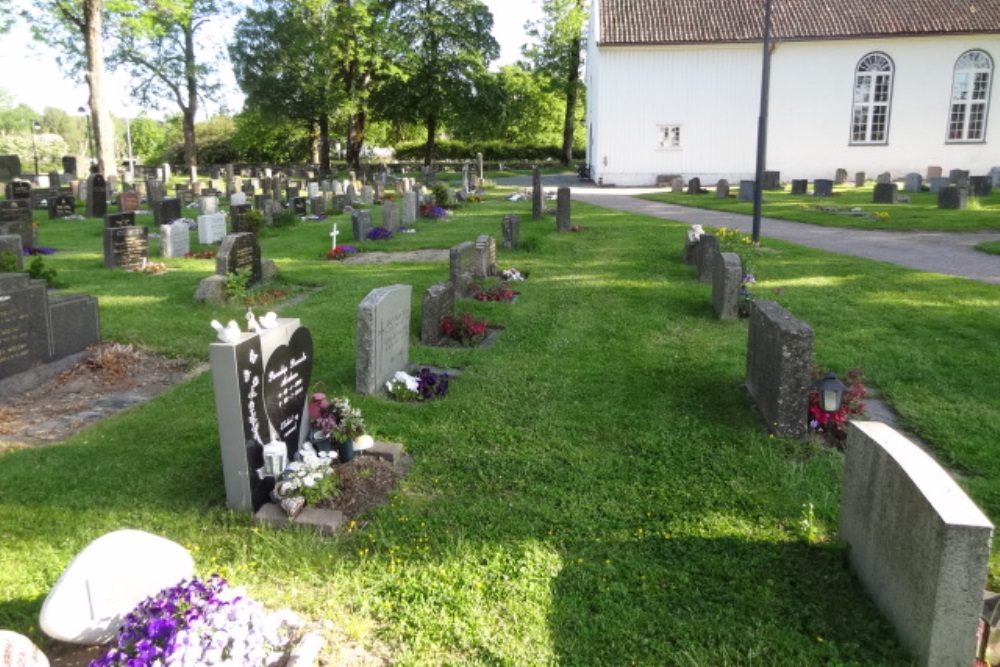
[949, 253]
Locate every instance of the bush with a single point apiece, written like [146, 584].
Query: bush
[491, 150]
[442, 194]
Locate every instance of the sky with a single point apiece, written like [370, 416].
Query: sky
[28, 69]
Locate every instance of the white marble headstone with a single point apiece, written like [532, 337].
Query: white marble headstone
[175, 239]
[211, 228]
[238, 199]
[107, 580]
[18, 651]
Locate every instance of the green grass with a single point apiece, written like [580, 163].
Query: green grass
[921, 213]
[595, 489]
[991, 247]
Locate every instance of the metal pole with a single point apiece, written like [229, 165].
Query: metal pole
[34, 149]
[765, 85]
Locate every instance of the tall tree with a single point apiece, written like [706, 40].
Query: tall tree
[155, 39]
[558, 54]
[448, 46]
[76, 28]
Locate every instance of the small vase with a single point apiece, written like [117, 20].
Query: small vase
[345, 450]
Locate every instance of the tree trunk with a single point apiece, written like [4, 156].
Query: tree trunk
[191, 108]
[572, 91]
[355, 139]
[324, 144]
[431, 139]
[104, 138]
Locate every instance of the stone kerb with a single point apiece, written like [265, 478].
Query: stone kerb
[705, 255]
[438, 303]
[918, 544]
[383, 337]
[779, 365]
[727, 277]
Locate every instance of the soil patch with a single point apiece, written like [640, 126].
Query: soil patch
[363, 483]
[428, 255]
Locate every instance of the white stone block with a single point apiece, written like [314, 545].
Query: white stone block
[107, 580]
[18, 651]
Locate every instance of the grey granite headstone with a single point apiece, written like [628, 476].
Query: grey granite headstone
[211, 228]
[563, 210]
[409, 208]
[995, 176]
[15, 218]
[351, 194]
[706, 253]
[727, 278]
[438, 303]
[361, 224]
[486, 256]
[884, 193]
[677, 184]
[953, 197]
[510, 227]
[958, 177]
[772, 180]
[840, 177]
[694, 186]
[75, 323]
[860, 178]
[746, 190]
[884, 177]
[800, 186]
[175, 239]
[779, 367]
[11, 244]
[126, 247]
[61, 206]
[536, 193]
[383, 337]
[317, 206]
[722, 189]
[97, 196]
[25, 323]
[937, 184]
[367, 195]
[462, 268]
[912, 182]
[238, 199]
[823, 187]
[980, 186]
[237, 253]
[390, 216]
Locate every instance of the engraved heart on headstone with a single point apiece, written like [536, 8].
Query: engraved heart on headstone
[286, 381]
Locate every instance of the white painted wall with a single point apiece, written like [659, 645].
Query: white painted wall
[713, 93]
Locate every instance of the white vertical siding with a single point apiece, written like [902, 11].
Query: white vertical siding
[713, 93]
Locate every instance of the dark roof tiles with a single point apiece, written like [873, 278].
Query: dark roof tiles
[625, 22]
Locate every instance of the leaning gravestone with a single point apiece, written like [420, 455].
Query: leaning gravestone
[462, 268]
[510, 227]
[822, 187]
[10, 245]
[260, 382]
[239, 252]
[383, 337]
[361, 224]
[438, 303]
[15, 218]
[211, 228]
[884, 193]
[563, 209]
[536, 193]
[97, 196]
[175, 239]
[61, 206]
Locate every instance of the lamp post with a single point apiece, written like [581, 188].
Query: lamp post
[35, 127]
[765, 85]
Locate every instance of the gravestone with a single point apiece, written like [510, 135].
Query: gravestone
[860, 178]
[380, 190]
[126, 247]
[10, 245]
[238, 199]
[980, 186]
[15, 218]
[128, 201]
[822, 187]
[677, 185]
[486, 256]
[912, 182]
[800, 186]
[563, 209]
[390, 216]
[299, 206]
[291, 193]
[97, 196]
[722, 189]
[367, 195]
[260, 383]
[694, 186]
[317, 206]
[69, 165]
[727, 279]
[462, 268]
[884, 177]
[339, 202]
[239, 214]
[772, 180]
[409, 208]
[154, 191]
[211, 228]
[115, 220]
[25, 322]
[746, 190]
[61, 206]
[239, 252]
[779, 367]
[18, 189]
[706, 253]
[166, 211]
[510, 227]
[383, 337]
[175, 239]
[953, 197]
[479, 166]
[884, 193]
[995, 176]
[182, 192]
[959, 177]
[934, 172]
[938, 183]
[208, 205]
[438, 303]
[351, 194]
[536, 193]
[10, 167]
[840, 177]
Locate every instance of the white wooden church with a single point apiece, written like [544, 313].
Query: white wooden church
[673, 87]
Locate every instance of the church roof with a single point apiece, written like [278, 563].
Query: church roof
[648, 22]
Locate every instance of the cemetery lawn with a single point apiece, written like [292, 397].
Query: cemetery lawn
[921, 213]
[992, 247]
[594, 490]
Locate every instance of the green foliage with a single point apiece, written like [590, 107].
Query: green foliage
[254, 221]
[237, 284]
[285, 218]
[259, 139]
[39, 271]
[491, 150]
[149, 139]
[442, 194]
[8, 262]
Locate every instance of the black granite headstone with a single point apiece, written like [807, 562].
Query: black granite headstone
[299, 204]
[25, 323]
[126, 247]
[97, 196]
[238, 214]
[18, 190]
[61, 206]
[980, 186]
[69, 165]
[115, 220]
[884, 193]
[286, 380]
[800, 186]
[772, 180]
[953, 197]
[823, 187]
[166, 211]
[238, 252]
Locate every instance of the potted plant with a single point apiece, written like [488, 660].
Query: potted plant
[335, 424]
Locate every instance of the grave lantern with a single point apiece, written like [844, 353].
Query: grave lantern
[831, 392]
[275, 458]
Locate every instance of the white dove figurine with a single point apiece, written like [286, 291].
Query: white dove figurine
[269, 320]
[252, 324]
[232, 333]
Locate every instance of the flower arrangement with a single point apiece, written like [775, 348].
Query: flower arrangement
[465, 330]
[199, 623]
[200, 254]
[334, 418]
[425, 386]
[310, 479]
[433, 211]
[379, 234]
[39, 250]
[832, 426]
[341, 252]
[513, 275]
[882, 215]
[493, 293]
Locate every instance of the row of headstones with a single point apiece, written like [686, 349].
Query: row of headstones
[38, 327]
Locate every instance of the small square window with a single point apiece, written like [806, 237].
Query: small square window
[668, 137]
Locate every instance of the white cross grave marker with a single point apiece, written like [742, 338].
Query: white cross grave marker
[334, 234]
